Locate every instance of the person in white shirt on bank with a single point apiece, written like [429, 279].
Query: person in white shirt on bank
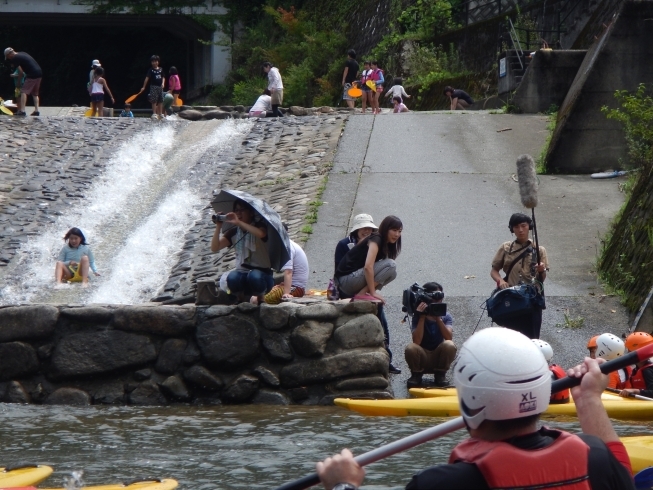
[295, 277]
[263, 106]
[275, 86]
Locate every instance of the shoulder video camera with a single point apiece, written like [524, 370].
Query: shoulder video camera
[416, 294]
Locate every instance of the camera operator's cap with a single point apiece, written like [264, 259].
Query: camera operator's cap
[95, 63]
[362, 221]
[8, 51]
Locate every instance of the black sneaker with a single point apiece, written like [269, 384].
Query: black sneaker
[35, 113]
[415, 380]
[20, 113]
[394, 370]
[439, 380]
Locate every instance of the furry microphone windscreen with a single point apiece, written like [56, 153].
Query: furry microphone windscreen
[527, 181]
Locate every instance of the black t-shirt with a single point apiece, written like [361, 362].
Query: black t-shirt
[605, 472]
[353, 70]
[28, 64]
[647, 374]
[355, 258]
[155, 76]
[462, 95]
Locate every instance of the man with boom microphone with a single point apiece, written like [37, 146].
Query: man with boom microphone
[503, 384]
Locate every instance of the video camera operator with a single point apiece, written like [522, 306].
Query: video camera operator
[432, 349]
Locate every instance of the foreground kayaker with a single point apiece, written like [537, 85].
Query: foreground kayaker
[503, 384]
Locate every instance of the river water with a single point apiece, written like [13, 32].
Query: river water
[218, 447]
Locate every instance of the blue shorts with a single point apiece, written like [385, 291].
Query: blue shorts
[97, 97]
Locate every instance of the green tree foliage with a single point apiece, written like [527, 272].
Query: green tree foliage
[626, 261]
[310, 59]
[141, 7]
[636, 115]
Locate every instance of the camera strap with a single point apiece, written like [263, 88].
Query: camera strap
[514, 262]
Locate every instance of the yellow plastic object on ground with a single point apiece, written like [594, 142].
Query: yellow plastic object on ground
[447, 406]
[89, 112]
[166, 484]
[354, 92]
[24, 476]
[179, 101]
[6, 111]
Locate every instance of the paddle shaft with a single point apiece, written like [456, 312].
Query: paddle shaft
[458, 423]
[630, 395]
[388, 450]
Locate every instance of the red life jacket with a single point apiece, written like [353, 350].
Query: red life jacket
[619, 379]
[637, 378]
[562, 465]
[561, 396]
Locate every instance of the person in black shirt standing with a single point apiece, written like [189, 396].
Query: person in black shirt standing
[157, 82]
[459, 98]
[348, 77]
[503, 384]
[33, 73]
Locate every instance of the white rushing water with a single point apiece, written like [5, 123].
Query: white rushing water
[134, 216]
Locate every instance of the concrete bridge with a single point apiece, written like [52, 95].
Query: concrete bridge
[205, 64]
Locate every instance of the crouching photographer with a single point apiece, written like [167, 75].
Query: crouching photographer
[432, 349]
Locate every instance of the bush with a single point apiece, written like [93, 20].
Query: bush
[247, 91]
[636, 114]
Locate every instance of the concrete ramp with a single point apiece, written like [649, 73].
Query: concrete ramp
[584, 140]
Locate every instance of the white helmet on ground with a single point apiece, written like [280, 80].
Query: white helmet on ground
[545, 347]
[609, 346]
[500, 375]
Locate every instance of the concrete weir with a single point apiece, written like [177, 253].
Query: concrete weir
[155, 355]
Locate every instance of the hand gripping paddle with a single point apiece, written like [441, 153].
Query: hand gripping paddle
[456, 424]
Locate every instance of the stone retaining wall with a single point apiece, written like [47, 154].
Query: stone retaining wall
[204, 113]
[155, 355]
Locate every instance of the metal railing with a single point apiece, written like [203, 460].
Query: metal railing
[518, 50]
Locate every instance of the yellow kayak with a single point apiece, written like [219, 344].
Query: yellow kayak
[166, 484]
[640, 450]
[447, 406]
[432, 392]
[23, 476]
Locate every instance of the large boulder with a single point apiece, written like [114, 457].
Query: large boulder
[110, 393]
[269, 397]
[276, 317]
[366, 383]
[219, 310]
[27, 322]
[171, 356]
[358, 307]
[267, 376]
[241, 389]
[88, 314]
[16, 393]
[17, 359]
[203, 378]
[175, 388]
[310, 338]
[228, 342]
[83, 354]
[320, 312]
[352, 363]
[68, 396]
[169, 321]
[190, 115]
[216, 114]
[363, 331]
[277, 346]
[147, 393]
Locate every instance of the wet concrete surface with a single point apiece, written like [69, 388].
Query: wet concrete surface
[449, 177]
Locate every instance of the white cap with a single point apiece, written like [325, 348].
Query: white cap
[9, 51]
[362, 221]
[95, 63]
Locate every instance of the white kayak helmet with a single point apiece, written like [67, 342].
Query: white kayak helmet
[545, 347]
[500, 375]
[609, 346]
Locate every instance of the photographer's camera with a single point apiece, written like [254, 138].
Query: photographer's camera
[416, 294]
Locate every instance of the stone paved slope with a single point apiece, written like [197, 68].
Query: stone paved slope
[448, 177]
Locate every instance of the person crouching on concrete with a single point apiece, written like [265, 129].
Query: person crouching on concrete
[295, 277]
[249, 235]
[74, 259]
[432, 349]
[459, 99]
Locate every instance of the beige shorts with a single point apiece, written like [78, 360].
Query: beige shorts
[277, 97]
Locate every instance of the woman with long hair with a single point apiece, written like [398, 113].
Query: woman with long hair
[370, 265]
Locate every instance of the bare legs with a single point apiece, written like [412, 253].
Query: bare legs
[62, 272]
[97, 108]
